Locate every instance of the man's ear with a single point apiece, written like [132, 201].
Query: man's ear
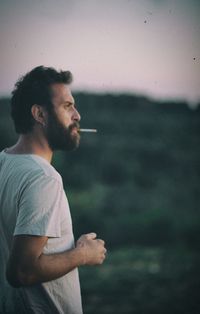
[38, 114]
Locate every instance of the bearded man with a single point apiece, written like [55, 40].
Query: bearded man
[38, 255]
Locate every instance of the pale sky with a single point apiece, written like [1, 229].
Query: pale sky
[150, 47]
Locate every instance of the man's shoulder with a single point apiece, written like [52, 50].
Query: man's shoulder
[39, 164]
[29, 166]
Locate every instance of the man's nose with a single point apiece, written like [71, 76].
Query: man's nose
[76, 115]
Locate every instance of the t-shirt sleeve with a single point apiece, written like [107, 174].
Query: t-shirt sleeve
[39, 207]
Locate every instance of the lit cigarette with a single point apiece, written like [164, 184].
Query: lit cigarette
[88, 130]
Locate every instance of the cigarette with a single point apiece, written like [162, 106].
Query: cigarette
[88, 130]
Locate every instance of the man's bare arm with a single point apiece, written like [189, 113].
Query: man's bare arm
[27, 264]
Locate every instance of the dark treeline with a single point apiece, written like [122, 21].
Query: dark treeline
[142, 170]
[135, 183]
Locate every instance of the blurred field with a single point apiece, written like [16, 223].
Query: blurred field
[143, 280]
[136, 183]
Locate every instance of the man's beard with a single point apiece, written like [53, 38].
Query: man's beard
[60, 137]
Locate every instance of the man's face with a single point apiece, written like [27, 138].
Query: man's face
[63, 120]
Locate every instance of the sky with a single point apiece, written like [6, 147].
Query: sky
[149, 47]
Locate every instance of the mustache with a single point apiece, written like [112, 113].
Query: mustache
[74, 125]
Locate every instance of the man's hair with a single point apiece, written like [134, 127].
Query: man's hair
[34, 88]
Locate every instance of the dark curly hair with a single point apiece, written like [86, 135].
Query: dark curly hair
[34, 88]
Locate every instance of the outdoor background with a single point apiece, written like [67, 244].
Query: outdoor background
[136, 67]
[136, 184]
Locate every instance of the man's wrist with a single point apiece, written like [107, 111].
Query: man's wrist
[80, 251]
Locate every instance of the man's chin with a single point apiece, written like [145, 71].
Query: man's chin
[75, 137]
[65, 146]
[64, 141]
[74, 143]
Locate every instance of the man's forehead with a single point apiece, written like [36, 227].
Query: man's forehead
[61, 93]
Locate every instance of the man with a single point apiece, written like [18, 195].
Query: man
[38, 257]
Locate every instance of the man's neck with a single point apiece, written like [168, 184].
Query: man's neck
[29, 144]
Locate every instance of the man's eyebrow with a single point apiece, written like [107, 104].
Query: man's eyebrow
[68, 102]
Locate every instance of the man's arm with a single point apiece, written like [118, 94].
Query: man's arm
[27, 264]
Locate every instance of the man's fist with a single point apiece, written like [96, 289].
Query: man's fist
[92, 249]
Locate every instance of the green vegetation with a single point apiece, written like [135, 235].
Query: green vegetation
[135, 183]
[141, 280]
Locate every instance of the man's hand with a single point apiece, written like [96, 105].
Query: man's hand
[31, 266]
[93, 249]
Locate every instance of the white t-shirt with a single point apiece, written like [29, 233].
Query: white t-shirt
[33, 202]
